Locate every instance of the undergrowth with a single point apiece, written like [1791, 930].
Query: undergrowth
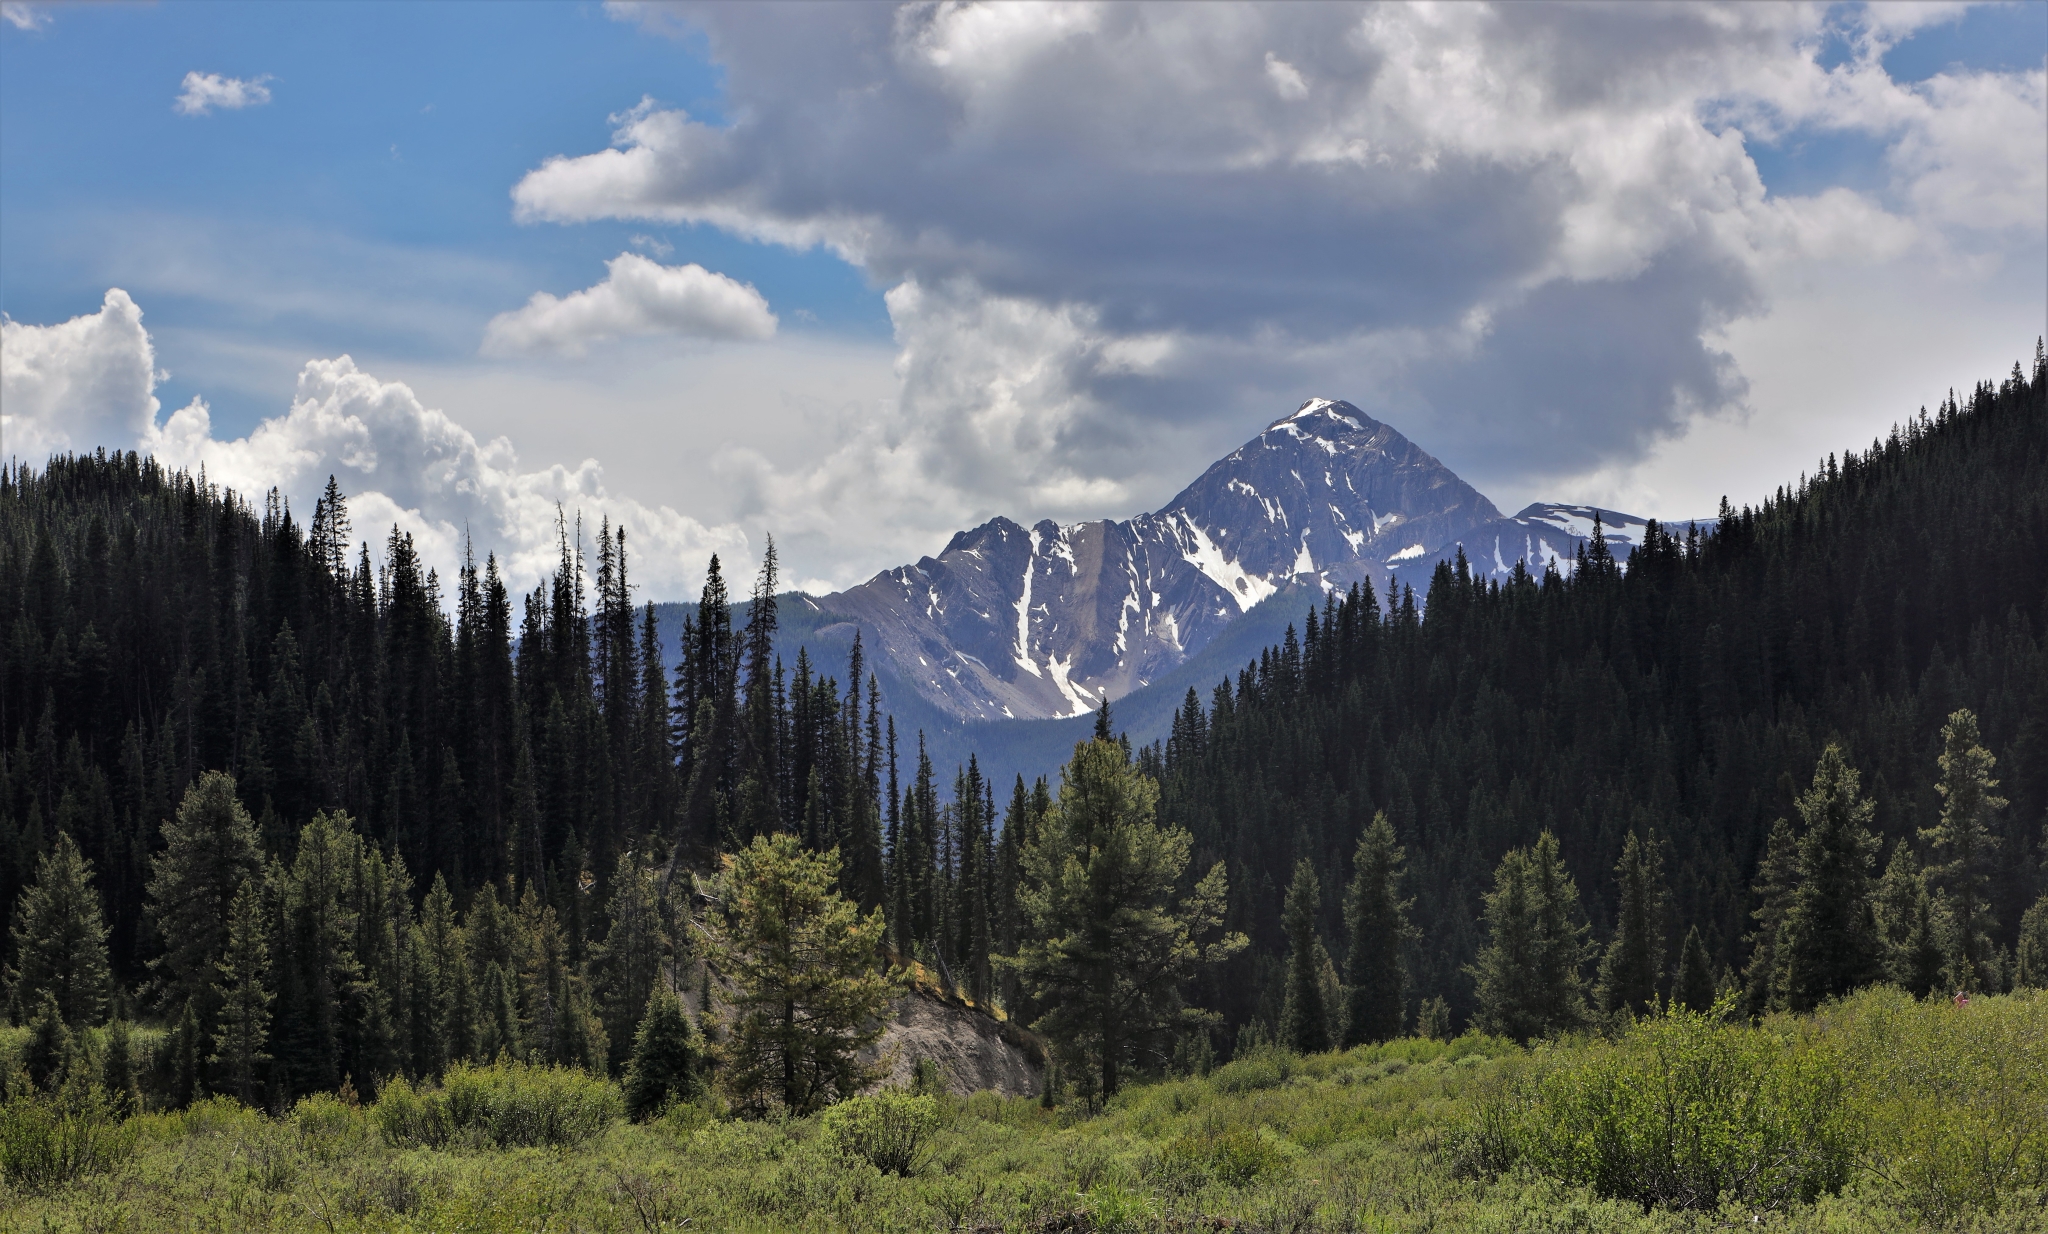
[1875, 1114]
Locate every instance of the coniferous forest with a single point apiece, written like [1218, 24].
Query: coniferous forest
[283, 817]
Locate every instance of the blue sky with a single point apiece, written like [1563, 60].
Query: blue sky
[1021, 260]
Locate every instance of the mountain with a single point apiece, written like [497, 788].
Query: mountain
[1015, 622]
[1543, 534]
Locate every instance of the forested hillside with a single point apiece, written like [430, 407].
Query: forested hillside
[1686, 700]
[344, 820]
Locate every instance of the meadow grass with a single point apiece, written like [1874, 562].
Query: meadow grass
[1934, 1117]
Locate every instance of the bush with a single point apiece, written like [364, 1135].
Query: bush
[504, 1105]
[890, 1131]
[1233, 1156]
[1683, 1110]
[47, 1141]
[1265, 1067]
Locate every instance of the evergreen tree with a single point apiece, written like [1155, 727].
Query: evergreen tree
[238, 1055]
[808, 997]
[498, 1031]
[1376, 917]
[1906, 926]
[210, 850]
[1634, 961]
[60, 941]
[1829, 942]
[1109, 941]
[183, 1049]
[117, 1070]
[2030, 963]
[666, 1065]
[1304, 1020]
[628, 964]
[1529, 973]
[1693, 988]
[447, 999]
[1433, 1020]
[1777, 877]
[47, 1054]
[1966, 846]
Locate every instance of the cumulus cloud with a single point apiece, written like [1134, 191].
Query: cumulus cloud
[85, 382]
[205, 91]
[637, 297]
[89, 382]
[1119, 234]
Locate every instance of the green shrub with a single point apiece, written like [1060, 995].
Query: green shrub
[1265, 1067]
[504, 1105]
[890, 1131]
[47, 1141]
[1953, 1101]
[1233, 1156]
[1683, 1110]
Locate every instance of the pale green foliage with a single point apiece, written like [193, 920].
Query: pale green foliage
[809, 989]
[890, 1131]
[48, 1140]
[505, 1105]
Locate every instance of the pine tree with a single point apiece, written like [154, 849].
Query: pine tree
[117, 1070]
[1829, 944]
[238, 1055]
[1110, 940]
[1304, 1020]
[808, 997]
[1634, 961]
[60, 942]
[1693, 988]
[1967, 846]
[666, 1062]
[1376, 918]
[210, 851]
[1528, 977]
[1433, 1020]
[498, 1031]
[1906, 926]
[187, 1083]
[2030, 961]
[627, 965]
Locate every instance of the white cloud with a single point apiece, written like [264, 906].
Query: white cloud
[637, 297]
[1120, 236]
[205, 91]
[85, 382]
[89, 382]
[24, 16]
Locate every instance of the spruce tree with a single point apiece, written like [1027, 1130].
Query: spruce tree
[498, 1017]
[1966, 848]
[210, 850]
[117, 1069]
[1777, 877]
[627, 965]
[1693, 988]
[1828, 945]
[1634, 961]
[1304, 1020]
[666, 1061]
[1528, 976]
[187, 1083]
[1906, 926]
[1376, 917]
[239, 1056]
[47, 1054]
[60, 941]
[2030, 959]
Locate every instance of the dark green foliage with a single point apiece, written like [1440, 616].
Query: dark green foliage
[1633, 965]
[1529, 976]
[60, 942]
[1693, 988]
[1376, 919]
[1966, 848]
[117, 1070]
[1305, 1020]
[1828, 944]
[2030, 966]
[1906, 926]
[239, 1057]
[183, 1053]
[48, 1053]
[667, 1062]
[1433, 1020]
[210, 851]
[1112, 934]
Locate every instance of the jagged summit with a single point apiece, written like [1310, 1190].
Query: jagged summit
[1009, 621]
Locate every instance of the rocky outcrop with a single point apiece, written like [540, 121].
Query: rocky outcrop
[974, 1051]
